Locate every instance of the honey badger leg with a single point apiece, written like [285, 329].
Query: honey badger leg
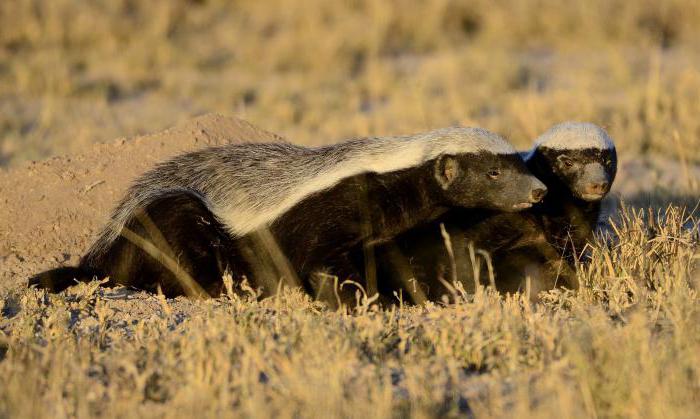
[557, 271]
[57, 280]
[341, 282]
[175, 244]
[539, 261]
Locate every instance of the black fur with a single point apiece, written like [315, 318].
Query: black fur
[542, 243]
[313, 236]
[181, 228]
[569, 220]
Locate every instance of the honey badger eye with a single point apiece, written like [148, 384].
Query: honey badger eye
[566, 161]
[493, 173]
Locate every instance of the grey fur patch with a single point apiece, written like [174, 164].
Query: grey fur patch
[574, 136]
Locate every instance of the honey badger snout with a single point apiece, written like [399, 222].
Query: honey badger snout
[594, 183]
[596, 188]
[537, 194]
[537, 191]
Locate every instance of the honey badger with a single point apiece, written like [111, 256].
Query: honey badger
[278, 210]
[577, 162]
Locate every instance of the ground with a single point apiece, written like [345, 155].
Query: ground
[75, 75]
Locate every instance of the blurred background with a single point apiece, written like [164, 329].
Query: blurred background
[73, 72]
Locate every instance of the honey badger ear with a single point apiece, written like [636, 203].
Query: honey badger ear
[446, 170]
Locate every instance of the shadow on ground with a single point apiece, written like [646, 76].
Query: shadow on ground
[660, 200]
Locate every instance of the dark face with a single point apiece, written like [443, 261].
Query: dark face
[588, 173]
[490, 181]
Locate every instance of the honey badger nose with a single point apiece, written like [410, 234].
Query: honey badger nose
[537, 194]
[597, 188]
[537, 190]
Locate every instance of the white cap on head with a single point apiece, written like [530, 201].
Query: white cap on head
[575, 136]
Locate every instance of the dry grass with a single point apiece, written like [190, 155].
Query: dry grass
[627, 345]
[73, 72]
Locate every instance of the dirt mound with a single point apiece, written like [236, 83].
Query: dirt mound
[50, 211]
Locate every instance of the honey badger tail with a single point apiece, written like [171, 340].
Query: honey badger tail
[56, 280]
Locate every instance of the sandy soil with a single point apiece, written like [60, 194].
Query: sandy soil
[52, 209]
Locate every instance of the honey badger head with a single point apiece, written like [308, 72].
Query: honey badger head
[578, 156]
[488, 180]
[476, 168]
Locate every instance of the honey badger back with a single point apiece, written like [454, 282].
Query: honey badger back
[277, 209]
[577, 163]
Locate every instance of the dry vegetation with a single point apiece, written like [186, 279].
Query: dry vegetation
[72, 72]
[627, 345]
